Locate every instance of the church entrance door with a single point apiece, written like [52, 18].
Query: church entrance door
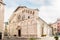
[19, 33]
[0, 35]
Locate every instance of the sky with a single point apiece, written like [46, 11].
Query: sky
[49, 9]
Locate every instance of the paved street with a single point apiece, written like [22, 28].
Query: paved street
[18, 38]
[42, 38]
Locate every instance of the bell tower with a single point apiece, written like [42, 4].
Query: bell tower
[1, 19]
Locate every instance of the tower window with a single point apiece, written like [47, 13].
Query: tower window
[28, 17]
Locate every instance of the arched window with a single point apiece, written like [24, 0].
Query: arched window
[30, 12]
[19, 17]
[33, 12]
[23, 11]
[23, 17]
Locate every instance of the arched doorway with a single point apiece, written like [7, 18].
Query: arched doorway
[0, 35]
[19, 33]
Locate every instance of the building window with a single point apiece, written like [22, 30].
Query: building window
[58, 30]
[33, 12]
[23, 11]
[28, 17]
[26, 11]
[23, 17]
[54, 29]
[58, 26]
[19, 17]
[30, 12]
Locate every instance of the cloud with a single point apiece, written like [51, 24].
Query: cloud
[8, 13]
[47, 14]
[37, 1]
[41, 2]
[11, 3]
[50, 13]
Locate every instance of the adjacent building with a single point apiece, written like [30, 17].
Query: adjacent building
[1, 19]
[25, 22]
[56, 27]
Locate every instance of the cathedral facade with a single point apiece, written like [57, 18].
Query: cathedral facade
[25, 22]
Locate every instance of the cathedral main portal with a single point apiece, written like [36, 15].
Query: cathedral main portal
[19, 33]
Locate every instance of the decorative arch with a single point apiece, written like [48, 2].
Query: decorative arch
[18, 27]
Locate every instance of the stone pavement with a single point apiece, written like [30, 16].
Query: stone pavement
[42, 38]
[47, 38]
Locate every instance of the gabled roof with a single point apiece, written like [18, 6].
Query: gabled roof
[42, 20]
[20, 7]
[24, 7]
